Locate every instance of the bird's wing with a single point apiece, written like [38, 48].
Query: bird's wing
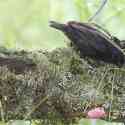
[95, 39]
[89, 38]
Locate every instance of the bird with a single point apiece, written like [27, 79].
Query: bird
[91, 42]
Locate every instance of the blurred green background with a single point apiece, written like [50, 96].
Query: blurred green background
[24, 23]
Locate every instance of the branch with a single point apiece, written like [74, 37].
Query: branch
[61, 85]
[98, 11]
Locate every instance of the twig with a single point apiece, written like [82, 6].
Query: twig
[98, 11]
[112, 91]
[37, 106]
[2, 111]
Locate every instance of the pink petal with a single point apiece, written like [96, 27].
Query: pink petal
[96, 113]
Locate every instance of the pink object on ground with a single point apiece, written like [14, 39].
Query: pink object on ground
[96, 113]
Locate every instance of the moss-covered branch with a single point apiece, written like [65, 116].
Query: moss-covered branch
[58, 84]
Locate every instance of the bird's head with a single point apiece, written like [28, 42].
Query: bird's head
[58, 26]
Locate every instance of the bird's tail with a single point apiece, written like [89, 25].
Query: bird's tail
[57, 25]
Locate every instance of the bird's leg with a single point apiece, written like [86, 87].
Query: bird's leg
[91, 65]
[94, 63]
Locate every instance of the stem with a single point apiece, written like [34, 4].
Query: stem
[98, 11]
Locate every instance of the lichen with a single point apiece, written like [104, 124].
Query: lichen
[62, 85]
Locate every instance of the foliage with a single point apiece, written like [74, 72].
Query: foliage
[24, 24]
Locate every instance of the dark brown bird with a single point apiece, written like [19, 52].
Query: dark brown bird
[91, 42]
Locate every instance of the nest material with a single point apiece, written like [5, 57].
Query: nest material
[59, 84]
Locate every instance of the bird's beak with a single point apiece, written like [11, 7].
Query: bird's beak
[57, 25]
